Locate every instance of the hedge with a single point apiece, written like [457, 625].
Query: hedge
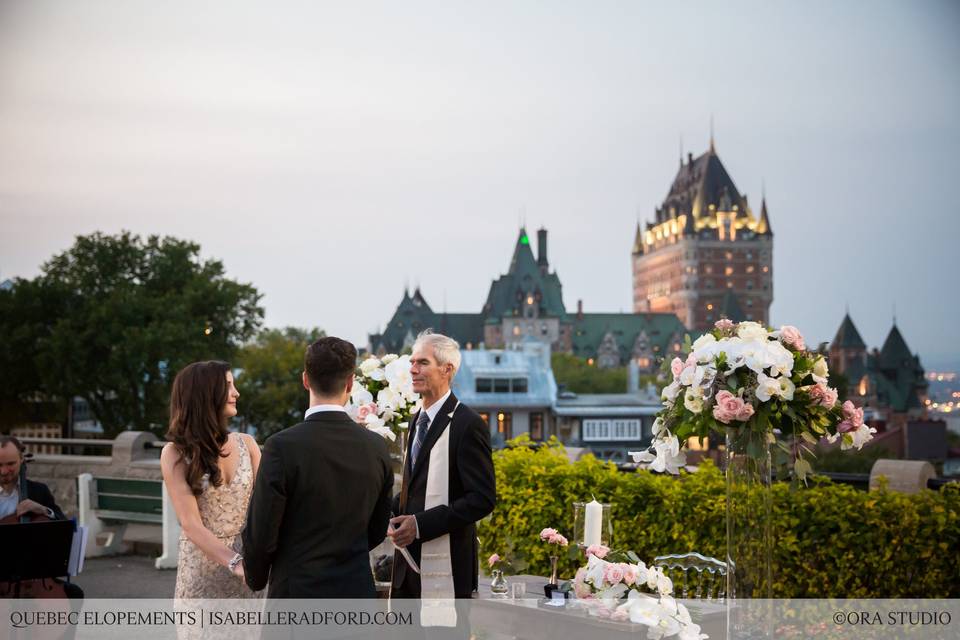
[830, 540]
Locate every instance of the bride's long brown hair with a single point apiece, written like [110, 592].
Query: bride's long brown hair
[198, 426]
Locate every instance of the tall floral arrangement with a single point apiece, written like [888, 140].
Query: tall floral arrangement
[383, 398]
[747, 377]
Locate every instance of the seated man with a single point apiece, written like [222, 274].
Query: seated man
[38, 500]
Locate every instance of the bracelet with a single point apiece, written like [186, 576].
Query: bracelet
[234, 561]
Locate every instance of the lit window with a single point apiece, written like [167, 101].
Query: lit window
[710, 307]
[729, 255]
[590, 361]
[516, 330]
[766, 269]
[728, 271]
[529, 299]
[750, 269]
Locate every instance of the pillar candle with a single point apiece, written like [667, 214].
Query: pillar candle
[593, 523]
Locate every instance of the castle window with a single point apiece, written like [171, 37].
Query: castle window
[728, 271]
[501, 385]
[516, 329]
[863, 386]
[709, 306]
[543, 329]
[749, 316]
[749, 255]
[729, 255]
[729, 284]
[749, 285]
[766, 269]
[749, 302]
[750, 268]
[518, 385]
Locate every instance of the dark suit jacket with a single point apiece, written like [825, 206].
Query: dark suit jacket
[40, 493]
[472, 496]
[321, 501]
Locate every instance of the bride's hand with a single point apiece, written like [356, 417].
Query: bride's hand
[238, 570]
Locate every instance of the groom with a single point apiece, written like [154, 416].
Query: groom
[322, 496]
[448, 482]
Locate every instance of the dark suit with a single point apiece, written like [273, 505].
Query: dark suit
[472, 496]
[321, 501]
[40, 493]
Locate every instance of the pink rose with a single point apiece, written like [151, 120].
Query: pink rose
[366, 410]
[494, 559]
[745, 413]
[598, 550]
[579, 583]
[823, 395]
[613, 574]
[729, 407]
[852, 414]
[558, 539]
[724, 324]
[846, 427]
[547, 533]
[629, 574]
[691, 360]
[791, 337]
[676, 366]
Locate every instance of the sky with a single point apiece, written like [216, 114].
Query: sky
[330, 153]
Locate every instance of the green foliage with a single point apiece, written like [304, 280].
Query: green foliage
[830, 540]
[576, 375]
[113, 318]
[851, 461]
[271, 394]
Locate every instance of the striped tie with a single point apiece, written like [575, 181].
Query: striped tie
[421, 437]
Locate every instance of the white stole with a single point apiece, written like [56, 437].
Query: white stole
[437, 608]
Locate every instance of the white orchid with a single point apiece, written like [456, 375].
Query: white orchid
[668, 457]
[368, 366]
[779, 358]
[359, 395]
[670, 392]
[767, 387]
[388, 399]
[787, 388]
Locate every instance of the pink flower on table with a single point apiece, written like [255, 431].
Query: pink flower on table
[823, 395]
[852, 414]
[579, 583]
[613, 574]
[729, 407]
[629, 574]
[547, 533]
[558, 539]
[676, 366]
[494, 559]
[791, 337]
[598, 550]
[724, 324]
[366, 410]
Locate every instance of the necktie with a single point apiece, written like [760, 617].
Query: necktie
[421, 437]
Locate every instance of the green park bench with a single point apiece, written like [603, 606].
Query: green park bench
[108, 505]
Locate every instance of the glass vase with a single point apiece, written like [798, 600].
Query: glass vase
[749, 538]
[553, 569]
[498, 586]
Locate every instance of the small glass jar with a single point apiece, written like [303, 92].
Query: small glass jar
[498, 586]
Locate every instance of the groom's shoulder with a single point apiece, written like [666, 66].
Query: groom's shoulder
[286, 436]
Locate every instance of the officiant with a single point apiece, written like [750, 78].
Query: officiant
[448, 482]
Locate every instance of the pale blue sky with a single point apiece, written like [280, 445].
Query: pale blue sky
[330, 152]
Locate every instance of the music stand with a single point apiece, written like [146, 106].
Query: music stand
[35, 550]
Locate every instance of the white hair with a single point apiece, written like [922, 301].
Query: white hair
[445, 349]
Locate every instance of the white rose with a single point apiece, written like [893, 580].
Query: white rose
[752, 331]
[390, 357]
[820, 370]
[703, 341]
[693, 400]
[369, 365]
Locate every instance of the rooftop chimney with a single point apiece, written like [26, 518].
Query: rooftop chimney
[542, 248]
[579, 309]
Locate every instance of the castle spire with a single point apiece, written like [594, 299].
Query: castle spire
[713, 148]
[763, 227]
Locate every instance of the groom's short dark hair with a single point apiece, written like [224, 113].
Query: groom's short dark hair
[329, 363]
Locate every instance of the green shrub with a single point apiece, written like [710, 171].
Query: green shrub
[830, 540]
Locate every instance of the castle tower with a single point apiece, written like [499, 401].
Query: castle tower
[705, 252]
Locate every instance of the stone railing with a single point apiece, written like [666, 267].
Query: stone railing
[133, 454]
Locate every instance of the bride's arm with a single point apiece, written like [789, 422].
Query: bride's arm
[188, 513]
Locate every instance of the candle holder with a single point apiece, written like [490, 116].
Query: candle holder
[580, 520]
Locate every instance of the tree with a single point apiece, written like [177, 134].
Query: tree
[271, 394]
[118, 316]
[580, 377]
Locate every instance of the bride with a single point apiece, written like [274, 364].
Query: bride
[209, 474]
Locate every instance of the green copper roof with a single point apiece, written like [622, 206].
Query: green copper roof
[847, 335]
[589, 331]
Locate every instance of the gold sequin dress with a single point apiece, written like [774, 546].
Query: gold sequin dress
[223, 510]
